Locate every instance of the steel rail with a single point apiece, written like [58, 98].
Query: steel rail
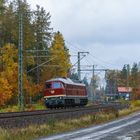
[23, 119]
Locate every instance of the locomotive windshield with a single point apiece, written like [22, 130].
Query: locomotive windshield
[53, 85]
[56, 85]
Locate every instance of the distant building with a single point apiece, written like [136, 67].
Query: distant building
[125, 92]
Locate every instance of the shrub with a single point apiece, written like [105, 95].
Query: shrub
[135, 103]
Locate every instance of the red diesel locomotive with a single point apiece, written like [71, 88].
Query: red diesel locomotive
[63, 92]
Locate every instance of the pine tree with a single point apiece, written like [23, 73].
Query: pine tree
[134, 75]
[124, 76]
[111, 82]
[42, 30]
[42, 35]
[6, 15]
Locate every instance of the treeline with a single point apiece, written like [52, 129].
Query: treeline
[45, 54]
[127, 77]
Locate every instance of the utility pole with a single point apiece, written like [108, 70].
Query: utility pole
[79, 73]
[20, 59]
[127, 75]
[93, 84]
[79, 67]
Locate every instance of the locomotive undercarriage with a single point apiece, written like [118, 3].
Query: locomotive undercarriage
[63, 102]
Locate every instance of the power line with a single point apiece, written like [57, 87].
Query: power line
[40, 65]
[80, 49]
[106, 63]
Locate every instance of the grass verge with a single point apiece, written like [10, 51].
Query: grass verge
[135, 106]
[54, 127]
[15, 108]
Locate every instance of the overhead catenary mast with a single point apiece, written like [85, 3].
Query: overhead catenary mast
[20, 58]
[79, 67]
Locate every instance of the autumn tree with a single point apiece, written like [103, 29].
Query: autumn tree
[8, 74]
[5, 91]
[59, 58]
[9, 77]
[36, 34]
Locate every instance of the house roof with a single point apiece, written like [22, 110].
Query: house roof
[124, 89]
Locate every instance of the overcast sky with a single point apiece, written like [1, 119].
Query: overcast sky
[108, 29]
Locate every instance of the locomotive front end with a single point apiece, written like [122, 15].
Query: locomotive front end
[54, 93]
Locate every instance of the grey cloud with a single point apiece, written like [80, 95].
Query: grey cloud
[103, 21]
[110, 29]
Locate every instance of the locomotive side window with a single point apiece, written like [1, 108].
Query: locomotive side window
[56, 85]
[48, 85]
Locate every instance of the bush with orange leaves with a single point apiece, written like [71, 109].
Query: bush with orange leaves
[5, 91]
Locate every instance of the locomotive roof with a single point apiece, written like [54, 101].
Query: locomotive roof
[66, 81]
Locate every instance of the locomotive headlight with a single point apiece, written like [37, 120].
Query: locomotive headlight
[52, 91]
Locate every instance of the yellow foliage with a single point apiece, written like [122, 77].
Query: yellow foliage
[9, 76]
[59, 57]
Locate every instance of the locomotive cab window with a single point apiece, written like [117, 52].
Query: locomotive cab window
[56, 85]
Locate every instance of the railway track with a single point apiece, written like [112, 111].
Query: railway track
[24, 119]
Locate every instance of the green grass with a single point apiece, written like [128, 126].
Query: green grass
[9, 109]
[122, 101]
[15, 108]
[134, 106]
